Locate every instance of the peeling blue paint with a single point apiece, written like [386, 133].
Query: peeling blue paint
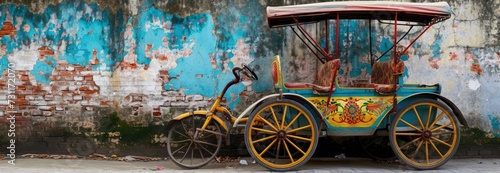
[436, 48]
[4, 63]
[87, 29]
[495, 125]
[43, 69]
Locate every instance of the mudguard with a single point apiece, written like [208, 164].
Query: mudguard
[190, 113]
[453, 107]
[292, 96]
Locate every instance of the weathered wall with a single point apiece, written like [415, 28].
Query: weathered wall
[76, 62]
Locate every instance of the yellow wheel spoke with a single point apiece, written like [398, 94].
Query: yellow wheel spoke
[274, 117]
[435, 148]
[267, 148]
[428, 117]
[278, 150]
[264, 139]
[416, 150]
[409, 143]
[263, 130]
[288, 152]
[442, 142]
[418, 117]
[293, 121]
[299, 138]
[298, 129]
[283, 116]
[426, 153]
[440, 127]
[442, 133]
[266, 122]
[412, 126]
[409, 134]
[295, 146]
[437, 119]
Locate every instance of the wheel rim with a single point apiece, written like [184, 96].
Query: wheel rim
[425, 135]
[281, 142]
[189, 151]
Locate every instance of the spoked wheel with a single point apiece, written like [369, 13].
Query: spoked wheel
[281, 135]
[190, 147]
[425, 134]
[377, 147]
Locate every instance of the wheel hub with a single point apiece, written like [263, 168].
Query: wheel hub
[281, 134]
[427, 134]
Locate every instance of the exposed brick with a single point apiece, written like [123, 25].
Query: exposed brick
[170, 93]
[79, 68]
[78, 97]
[70, 68]
[90, 92]
[67, 73]
[47, 113]
[24, 92]
[23, 72]
[29, 97]
[59, 108]
[21, 97]
[49, 97]
[89, 108]
[55, 78]
[89, 78]
[85, 73]
[68, 78]
[156, 114]
[4, 102]
[106, 103]
[21, 87]
[46, 108]
[179, 104]
[21, 102]
[24, 78]
[72, 87]
[39, 103]
[84, 88]
[78, 78]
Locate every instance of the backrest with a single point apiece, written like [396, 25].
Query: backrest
[326, 72]
[382, 71]
[276, 71]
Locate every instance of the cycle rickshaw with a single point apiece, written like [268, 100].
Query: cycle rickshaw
[282, 129]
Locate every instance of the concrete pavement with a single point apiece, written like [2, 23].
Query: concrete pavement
[316, 165]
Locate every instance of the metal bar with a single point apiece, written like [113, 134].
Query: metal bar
[370, 35]
[416, 38]
[337, 37]
[396, 60]
[327, 38]
[310, 37]
[307, 45]
[411, 27]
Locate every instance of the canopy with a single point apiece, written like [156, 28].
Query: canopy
[422, 13]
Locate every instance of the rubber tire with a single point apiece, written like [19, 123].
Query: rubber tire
[314, 128]
[395, 147]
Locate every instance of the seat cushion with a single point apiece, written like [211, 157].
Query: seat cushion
[384, 89]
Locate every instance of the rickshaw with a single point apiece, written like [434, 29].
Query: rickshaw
[281, 133]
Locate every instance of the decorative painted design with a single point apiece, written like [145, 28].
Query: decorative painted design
[352, 111]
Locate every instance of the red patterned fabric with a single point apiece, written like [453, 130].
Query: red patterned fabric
[326, 72]
[383, 76]
[323, 78]
[382, 71]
